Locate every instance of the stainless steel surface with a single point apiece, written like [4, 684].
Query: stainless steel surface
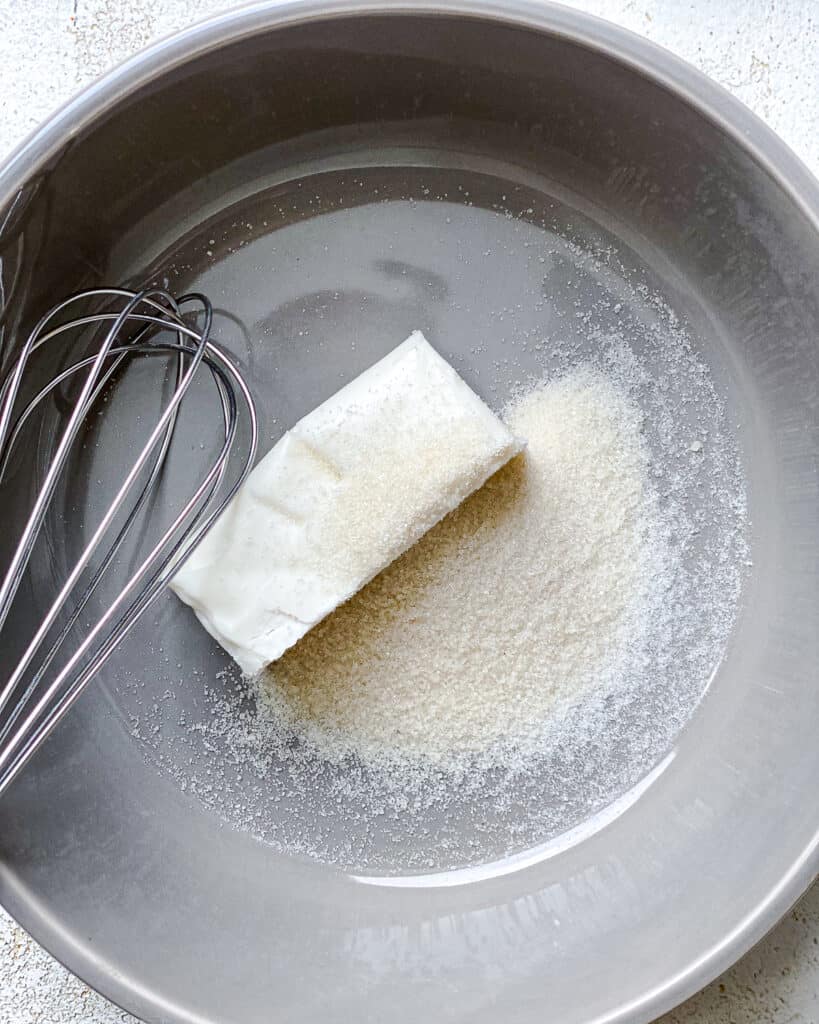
[128, 879]
[50, 674]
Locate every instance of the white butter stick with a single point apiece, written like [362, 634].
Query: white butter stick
[345, 492]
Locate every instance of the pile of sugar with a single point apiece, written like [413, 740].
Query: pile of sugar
[261, 763]
[529, 594]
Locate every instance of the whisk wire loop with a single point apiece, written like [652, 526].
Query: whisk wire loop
[34, 697]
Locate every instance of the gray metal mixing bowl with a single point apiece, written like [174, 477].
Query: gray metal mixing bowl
[135, 884]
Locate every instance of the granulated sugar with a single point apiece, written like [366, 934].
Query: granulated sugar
[539, 587]
[538, 653]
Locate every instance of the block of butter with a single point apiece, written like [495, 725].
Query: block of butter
[344, 492]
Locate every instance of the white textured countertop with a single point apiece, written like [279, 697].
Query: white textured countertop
[764, 51]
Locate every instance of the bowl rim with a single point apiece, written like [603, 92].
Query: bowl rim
[688, 84]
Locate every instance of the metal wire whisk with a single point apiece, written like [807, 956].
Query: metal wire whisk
[49, 675]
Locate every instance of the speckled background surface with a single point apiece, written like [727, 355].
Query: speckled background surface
[764, 51]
